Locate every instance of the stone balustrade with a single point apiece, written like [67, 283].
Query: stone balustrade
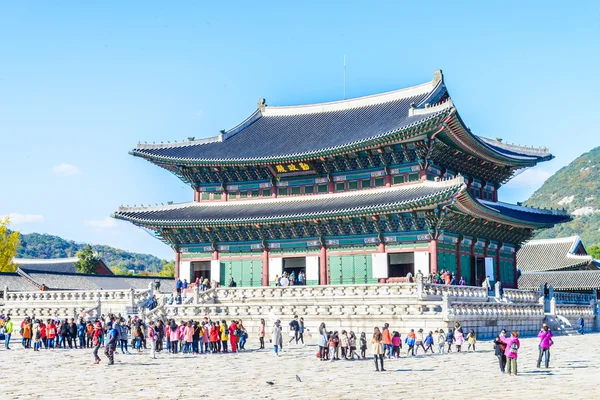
[74, 296]
[469, 310]
[521, 296]
[314, 293]
[573, 298]
[18, 313]
[574, 310]
[436, 291]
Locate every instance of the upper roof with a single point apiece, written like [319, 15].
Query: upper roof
[66, 265]
[553, 254]
[273, 134]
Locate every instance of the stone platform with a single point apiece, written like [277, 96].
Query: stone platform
[573, 375]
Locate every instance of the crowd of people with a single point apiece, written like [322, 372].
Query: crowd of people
[115, 332]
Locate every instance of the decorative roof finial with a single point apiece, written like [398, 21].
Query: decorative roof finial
[261, 104]
[437, 77]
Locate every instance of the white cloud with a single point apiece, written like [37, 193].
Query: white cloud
[24, 218]
[530, 179]
[65, 169]
[106, 223]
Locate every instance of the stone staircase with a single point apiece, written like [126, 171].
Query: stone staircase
[560, 325]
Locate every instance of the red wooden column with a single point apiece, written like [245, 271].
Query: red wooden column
[215, 255]
[458, 260]
[433, 255]
[323, 270]
[177, 262]
[381, 248]
[388, 180]
[196, 195]
[265, 267]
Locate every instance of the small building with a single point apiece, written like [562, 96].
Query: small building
[50, 265]
[562, 263]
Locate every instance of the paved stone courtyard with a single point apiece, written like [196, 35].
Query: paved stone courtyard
[69, 374]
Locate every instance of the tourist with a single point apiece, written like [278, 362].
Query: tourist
[453, 279]
[153, 337]
[545, 337]
[284, 281]
[160, 330]
[224, 335]
[137, 336]
[322, 341]
[419, 341]
[173, 337]
[429, 342]
[449, 340]
[580, 323]
[333, 346]
[447, 277]
[352, 345]
[8, 330]
[462, 281]
[188, 334]
[512, 348]
[110, 344]
[292, 278]
[276, 280]
[344, 345]
[81, 333]
[44, 334]
[26, 333]
[410, 342]
[51, 333]
[178, 285]
[97, 341]
[64, 334]
[276, 337]
[409, 277]
[500, 350]
[294, 329]
[123, 335]
[184, 286]
[471, 339]
[459, 339]
[363, 345]
[214, 337]
[377, 348]
[37, 336]
[387, 340]
[261, 333]
[72, 334]
[441, 341]
[232, 283]
[301, 278]
[301, 330]
[243, 336]
[205, 336]
[486, 283]
[396, 344]
[232, 336]
[89, 330]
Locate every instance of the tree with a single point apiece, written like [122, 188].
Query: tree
[9, 246]
[168, 269]
[594, 251]
[88, 261]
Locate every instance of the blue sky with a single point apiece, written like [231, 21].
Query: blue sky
[82, 82]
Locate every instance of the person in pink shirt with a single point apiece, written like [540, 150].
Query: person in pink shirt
[512, 348]
[188, 333]
[173, 336]
[181, 336]
[205, 335]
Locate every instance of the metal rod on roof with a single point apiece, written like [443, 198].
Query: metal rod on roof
[344, 77]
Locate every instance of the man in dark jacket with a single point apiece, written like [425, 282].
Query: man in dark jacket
[64, 333]
[295, 326]
[72, 333]
[110, 343]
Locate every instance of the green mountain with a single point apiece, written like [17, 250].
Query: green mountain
[576, 188]
[36, 245]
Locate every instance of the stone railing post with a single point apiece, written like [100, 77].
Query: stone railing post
[5, 292]
[445, 307]
[196, 294]
[420, 286]
[553, 306]
[497, 290]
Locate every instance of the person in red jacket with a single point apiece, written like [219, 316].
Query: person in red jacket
[97, 341]
[50, 333]
[214, 337]
[387, 341]
[232, 337]
[43, 334]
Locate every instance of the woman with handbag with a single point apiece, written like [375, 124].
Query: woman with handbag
[511, 352]
[499, 348]
[545, 337]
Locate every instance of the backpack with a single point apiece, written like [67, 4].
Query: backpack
[136, 331]
[514, 347]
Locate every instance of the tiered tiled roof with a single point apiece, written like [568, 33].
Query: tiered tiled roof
[392, 199]
[66, 265]
[551, 255]
[273, 134]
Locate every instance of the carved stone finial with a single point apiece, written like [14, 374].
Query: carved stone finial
[437, 77]
[499, 139]
[262, 103]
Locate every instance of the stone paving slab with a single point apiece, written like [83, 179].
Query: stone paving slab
[69, 374]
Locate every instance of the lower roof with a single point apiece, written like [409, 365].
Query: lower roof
[561, 280]
[552, 254]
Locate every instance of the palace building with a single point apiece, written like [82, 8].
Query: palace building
[362, 190]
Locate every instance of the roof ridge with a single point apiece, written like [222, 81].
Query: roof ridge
[25, 261]
[551, 240]
[347, 104]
